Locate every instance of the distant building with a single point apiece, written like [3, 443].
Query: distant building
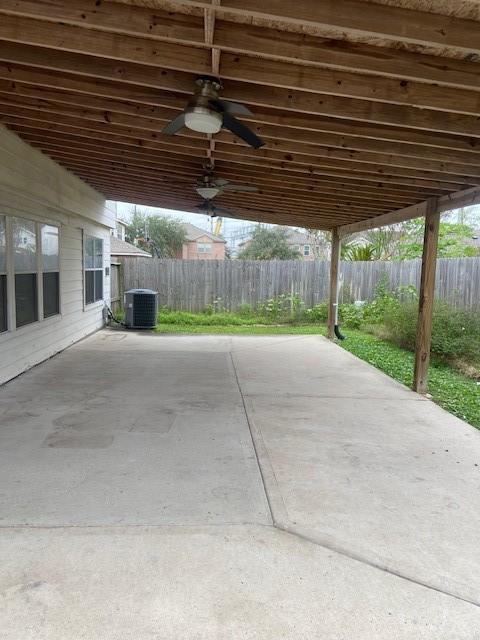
[122, 249]
[120, 229]
[202, 245]
[305, 245]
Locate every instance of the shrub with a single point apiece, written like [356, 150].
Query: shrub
[455, 332]
[285, 306]
[351, 315]
[318, 313]
[245, 310]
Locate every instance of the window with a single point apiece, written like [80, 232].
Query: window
[26, 271]
[306, 249]
[204, 247]
[93, 269]
[3, 276]
[51, 270]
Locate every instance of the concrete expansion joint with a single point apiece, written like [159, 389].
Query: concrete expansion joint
[282, 522]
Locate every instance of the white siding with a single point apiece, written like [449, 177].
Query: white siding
[34, 187]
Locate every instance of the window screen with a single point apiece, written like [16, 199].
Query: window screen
[3, 276]
[93, 269]
[24, 237]
[51, 270]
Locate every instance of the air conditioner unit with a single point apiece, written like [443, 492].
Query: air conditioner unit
[140, 308]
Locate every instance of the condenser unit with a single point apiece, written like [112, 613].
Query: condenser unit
[140, 308]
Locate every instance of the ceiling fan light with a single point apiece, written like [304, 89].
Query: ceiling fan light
[208, 192]
[203, 121]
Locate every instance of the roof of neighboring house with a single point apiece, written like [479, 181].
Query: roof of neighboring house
[122, 248]
[193, 233]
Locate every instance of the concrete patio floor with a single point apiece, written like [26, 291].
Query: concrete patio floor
[215, 487]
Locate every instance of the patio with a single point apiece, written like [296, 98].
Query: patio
[232, 487]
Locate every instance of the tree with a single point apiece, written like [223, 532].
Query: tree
[359, 252]
[454, 240]
[404, 241]
[268, 243]
[160, 235]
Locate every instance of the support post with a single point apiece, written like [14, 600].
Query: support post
[426, 297]
[334, 272]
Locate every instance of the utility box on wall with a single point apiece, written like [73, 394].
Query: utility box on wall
[141, 308]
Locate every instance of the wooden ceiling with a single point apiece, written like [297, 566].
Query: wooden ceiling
[365, 107]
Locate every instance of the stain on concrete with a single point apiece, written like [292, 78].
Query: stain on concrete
[73, 439]
[159, 422]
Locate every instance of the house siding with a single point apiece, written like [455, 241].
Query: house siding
[35, 188]
[190, 250]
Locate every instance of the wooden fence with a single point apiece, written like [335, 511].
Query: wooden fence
[116, 286]
[194, 284]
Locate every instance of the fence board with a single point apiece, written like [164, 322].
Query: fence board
[192, 285]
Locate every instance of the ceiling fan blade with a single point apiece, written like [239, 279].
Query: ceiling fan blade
[220, 182]
[240, 187]
[242, 131]
[175, 125]
[227, 106]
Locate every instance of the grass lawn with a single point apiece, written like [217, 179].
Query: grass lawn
[451, 390]
[244, 329]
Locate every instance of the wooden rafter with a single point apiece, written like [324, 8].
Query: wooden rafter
[356, 127]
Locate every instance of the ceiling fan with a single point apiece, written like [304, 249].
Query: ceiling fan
[209, 187]
[207, 113]
[208, 208]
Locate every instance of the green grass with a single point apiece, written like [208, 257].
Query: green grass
[453, 391]
[246, 329]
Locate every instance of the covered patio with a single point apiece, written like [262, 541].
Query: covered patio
[352, 114]
[207, 487]
[244, 487]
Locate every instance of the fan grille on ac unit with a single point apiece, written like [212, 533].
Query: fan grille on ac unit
[140, 308]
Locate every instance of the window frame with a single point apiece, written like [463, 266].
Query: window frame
[4, 275]
[205, 244]
[11, 272]
[95, 269]
[38, 299]
[307, 250]
[44, 271]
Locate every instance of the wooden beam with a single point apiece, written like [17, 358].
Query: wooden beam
[334, 277]
[357, 18]
[251, 39]
[449, 202]
[85, 142]
[234, 66]
[266, 120]
[82, 147]
[166, 68]
[275, 136]
[282, 149]
[426, 296]
[287, 194]
[89, 140]
[243, 155]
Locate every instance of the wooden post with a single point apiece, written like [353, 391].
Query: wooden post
[334, 271]
[426, 296]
